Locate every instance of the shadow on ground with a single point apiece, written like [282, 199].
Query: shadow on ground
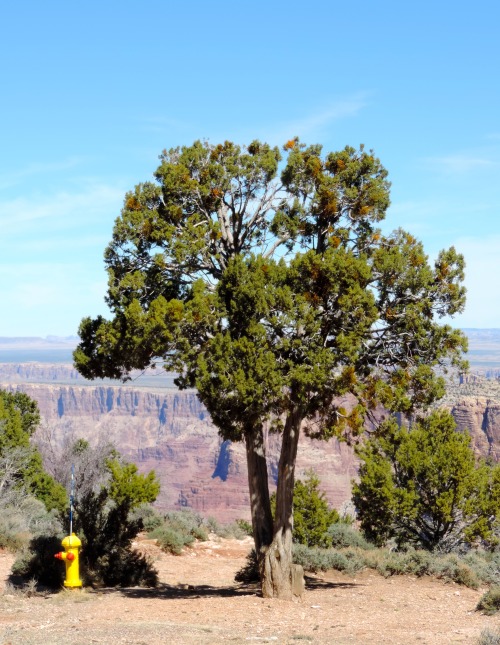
[207, 591]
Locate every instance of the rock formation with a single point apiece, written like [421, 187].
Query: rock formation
[480, 417]
[169, 431]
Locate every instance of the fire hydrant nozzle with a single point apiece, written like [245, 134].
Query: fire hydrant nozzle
[70, 555]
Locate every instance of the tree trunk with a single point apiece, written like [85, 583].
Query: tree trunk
[277, 570]
[258, 486]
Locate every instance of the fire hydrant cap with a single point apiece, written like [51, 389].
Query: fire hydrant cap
[71, 541]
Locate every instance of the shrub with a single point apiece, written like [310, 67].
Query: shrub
[311, 514]
[20, 462]
[489, 637]
[170, 539]
[244, 526]
[422, 487]
[37, 562]
[179, 529]
[107, 492]
[316, 559]
[341, 535]
[122, 567]
[233, 530]
[237, 529]
[148, 515]
[490, 601]
[250, 571]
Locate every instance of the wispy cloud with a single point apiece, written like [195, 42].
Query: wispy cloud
[461, 163]
[314, 123]
[310, 126]
[12, 178]
[60, 210]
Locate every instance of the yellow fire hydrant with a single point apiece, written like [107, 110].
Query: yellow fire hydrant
[70, 555]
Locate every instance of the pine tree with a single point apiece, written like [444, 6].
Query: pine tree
[422, 486]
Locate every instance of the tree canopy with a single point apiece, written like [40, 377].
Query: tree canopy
[261, 278]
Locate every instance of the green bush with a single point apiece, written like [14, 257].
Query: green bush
[422, 487]
[237, 529]
[390, 563]
[341, 535]
[38, 563]
[311, 514]
[250, 571]
[244, 526]
[170, 539]
[18, 524]
[122, 567]
[107, 492]
[179, 529]
[19, 418]
[490, 601]
[316, 559]
[149, 517]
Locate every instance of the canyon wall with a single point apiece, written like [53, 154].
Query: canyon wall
[170, 431]
[480, 417]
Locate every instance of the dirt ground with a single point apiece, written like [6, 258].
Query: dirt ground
[197, 602]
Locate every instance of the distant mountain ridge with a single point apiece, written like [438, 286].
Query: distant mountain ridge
[37, 342]
[483, 355]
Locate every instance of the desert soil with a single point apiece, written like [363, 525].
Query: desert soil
[198, 602]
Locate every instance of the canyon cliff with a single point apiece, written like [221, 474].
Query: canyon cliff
[480, 416]
[170, 431]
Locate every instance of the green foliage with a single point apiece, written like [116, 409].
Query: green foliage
[43, 486]
[107, 492]
[170, 539]
[447, 567]
[245, 526]
[312, 517]
[179, 529]
[490, 601]
[311, 514]
[421, 486]
[130, 489]
[148, 515]
[104, 523]
[249, 572]
[37, 562]
[317, 559]
[22, 517]
[19, 418]
[237, 529]
[350, 310]
[342, 535]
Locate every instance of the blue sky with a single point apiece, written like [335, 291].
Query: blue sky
[92, 93]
